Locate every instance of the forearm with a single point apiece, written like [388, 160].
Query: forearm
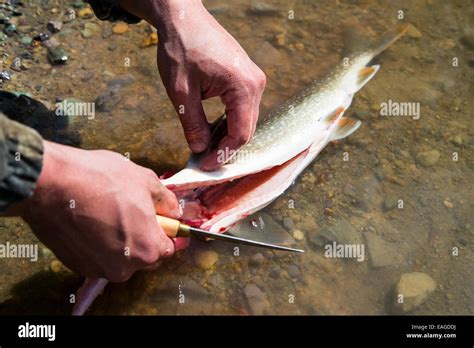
[163, 14]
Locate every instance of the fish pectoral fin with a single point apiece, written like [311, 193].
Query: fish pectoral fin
[365, 75]
[346, 126]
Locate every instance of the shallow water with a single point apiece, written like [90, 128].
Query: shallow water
[371, 187]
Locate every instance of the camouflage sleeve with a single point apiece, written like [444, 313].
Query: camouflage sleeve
[21, 155]
[109, 10]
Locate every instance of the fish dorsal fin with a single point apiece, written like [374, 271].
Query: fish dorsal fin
[346, 126]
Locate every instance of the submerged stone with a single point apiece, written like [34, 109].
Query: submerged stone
[57, 56]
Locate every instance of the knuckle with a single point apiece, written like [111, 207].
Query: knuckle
[241, 139]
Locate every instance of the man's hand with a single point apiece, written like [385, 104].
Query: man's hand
[96, 211]
[198, 59]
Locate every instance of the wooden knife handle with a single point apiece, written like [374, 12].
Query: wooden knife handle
[170, 226]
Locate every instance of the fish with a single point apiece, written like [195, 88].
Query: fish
[284, 144]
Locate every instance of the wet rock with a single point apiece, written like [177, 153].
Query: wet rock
[427, 158]
[215, 281]
[448, 204]
[298, 235]
[382, 253]
[390, 202]
[54, 26]
[457, 140]
[90, 29]
[258, 8]
[257, 259]
[275, 273]
[256, 300]
[205, 259]
[268, 254]
[280, 39]
[293, 271]
[288, 223]
[57, 56]
[86, 12]
[193, 290]
[345, 233]
[5, 76]
[10, 29]
[415, 288]
[299, 46]
[107, 101]
[56, 266]
[120, 28]
[106, 32]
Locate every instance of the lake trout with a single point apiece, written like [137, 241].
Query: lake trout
[283, 145]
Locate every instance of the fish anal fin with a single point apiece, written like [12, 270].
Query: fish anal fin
[346, 126]
[365, 75]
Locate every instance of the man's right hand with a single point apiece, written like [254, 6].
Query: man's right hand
[96, 211]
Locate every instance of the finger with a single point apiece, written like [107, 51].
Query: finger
[188, 105]
[242, 114]
[165, 202]
[166, 245]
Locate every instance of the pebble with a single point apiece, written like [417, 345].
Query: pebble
[280, 39]
[468, 41]
[415, 288]
[90, 29]
[263, 9]
[192, 289]
[107, 101]
[55, 266]
[257, 259]
[120, 28]
[5, 76]
[457, 140]
[205, 259]
[299, 46]
[267, 55]
[86, 12]
[390, 202]
[288, 223]
[382, 253]
[9, 30]
[57, 56]
[448, 204]
[298, 235]
[427, 158]
[293, 271]
[150, 40]
[54, 26]
[256, 300]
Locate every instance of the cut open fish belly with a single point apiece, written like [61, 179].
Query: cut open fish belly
[282, 147]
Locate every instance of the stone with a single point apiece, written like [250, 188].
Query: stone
[427, 158]
[55, 266]
[267, 55]
[90, 29]
[256, 299]
[257, 259]
[382, 253]
[54, 26]
[457, 140]
[107, 101]
[288, 223]
[345, 233]
[280, 39]
[26, 40]
[193, 290]
[86, 12]
[293, 271]
[298, 235]
[57, 56]
[299, 46]
[468, 41]
[448, 204]
[10, 29]
[150, 40]
[259, 8]
[390, 202]
[414, 288]
[205, 259]
[120, 28]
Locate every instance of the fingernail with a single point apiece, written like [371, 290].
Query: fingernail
[180, 210]
[198, 146]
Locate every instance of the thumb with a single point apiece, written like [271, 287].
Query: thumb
[191, 114]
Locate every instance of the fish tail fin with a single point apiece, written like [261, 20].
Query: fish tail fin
[387, 39]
